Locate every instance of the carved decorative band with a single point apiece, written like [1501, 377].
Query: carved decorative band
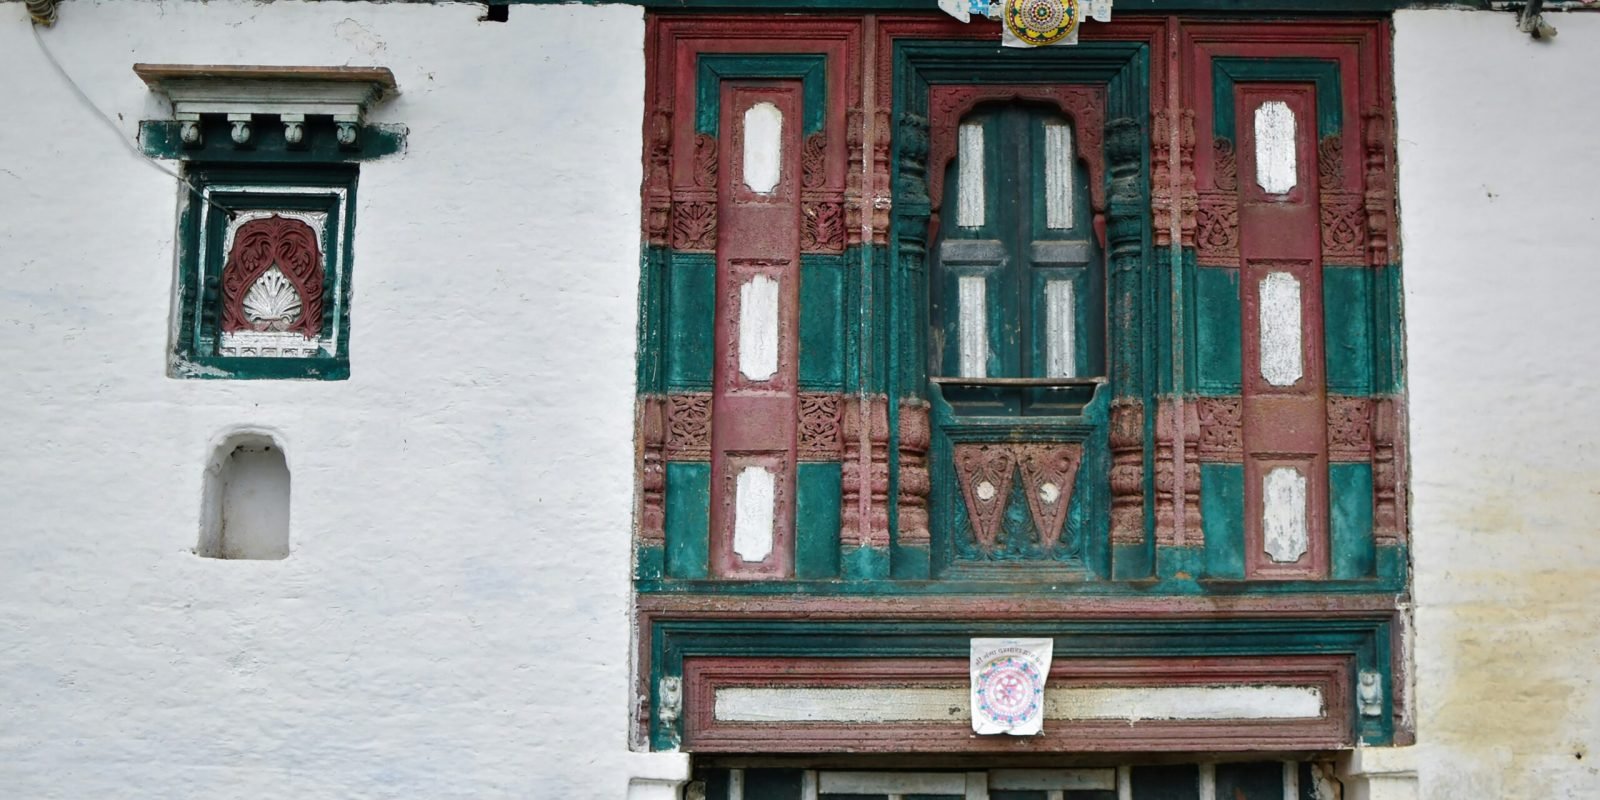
[987, 472]
[822, 224]
[1349, 428]
[914, 482]
[1217, 229]
[1221, 429]
[688, 427]
[1344, 228]
[652, 477]
[820, 423]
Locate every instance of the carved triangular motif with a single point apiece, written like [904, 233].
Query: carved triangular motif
[1048, 474]
[986, 472]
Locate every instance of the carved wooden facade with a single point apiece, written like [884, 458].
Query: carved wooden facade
[1232, 451]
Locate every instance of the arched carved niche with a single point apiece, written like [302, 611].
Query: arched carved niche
[1084, 106]
[259, 245]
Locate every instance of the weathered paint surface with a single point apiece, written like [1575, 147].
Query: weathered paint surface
[1500, 256]
[870, 705]
[452, 619]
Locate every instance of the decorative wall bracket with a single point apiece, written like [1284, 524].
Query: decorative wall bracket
[242, 94]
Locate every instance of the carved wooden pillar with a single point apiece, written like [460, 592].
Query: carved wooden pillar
[864, 511]
[1124, 234]
[652, 471]
[914, 483]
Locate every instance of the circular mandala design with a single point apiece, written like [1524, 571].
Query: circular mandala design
[1041, 22]
[1010, 690]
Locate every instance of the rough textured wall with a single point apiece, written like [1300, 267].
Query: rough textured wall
[453, 619]
[1500, 194]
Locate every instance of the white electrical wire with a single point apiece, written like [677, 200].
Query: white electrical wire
[116, 130]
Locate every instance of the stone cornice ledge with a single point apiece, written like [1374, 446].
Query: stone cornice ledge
[289, 93]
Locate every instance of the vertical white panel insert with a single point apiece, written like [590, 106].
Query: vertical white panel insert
[1125, 783]
[1207, 786]
[758, 328]
[1275, 147]
[763, 147]
[735, 784]
[1291, 780]
[973, 302]
[1282, 363]
[755, 496]
[1057, 176]
[1283, 515]
[1061, 351]
[970, 189]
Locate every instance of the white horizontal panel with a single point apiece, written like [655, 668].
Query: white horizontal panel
[892, 783]
[1131, 703]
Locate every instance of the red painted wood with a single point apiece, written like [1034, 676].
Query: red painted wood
[1330, 674]
[1283, 425]
[754, 422]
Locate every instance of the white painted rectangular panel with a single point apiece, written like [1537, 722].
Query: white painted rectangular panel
[892, 783]
[1057, 176]
[763, 147]
[1045, 779]
[1291, 780]
[1060, 310]
[1275, 147]
[950, 704]
[735, 784]
[970, 212]
[755, 495]
[1124, 783]
[1283, 515]
[1282, 363]
[864, 705]
[972, 303]
[758, 328]
[1134, 703]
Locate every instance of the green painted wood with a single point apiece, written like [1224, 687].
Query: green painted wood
[202, 232]
[649, 377]
[1218, 355]
[1388, 346]
[1186, 361]
[1131, 562]
[866, 564]
[1347, 314]
[650, 563]
[161, 139]
[823, 323]
[691, 305]
[1225, 72]
[911, 563]
[1222, 512]
[1350, 521]
[1180, 565]
[816, 512]
[810, 69]
[688, 519]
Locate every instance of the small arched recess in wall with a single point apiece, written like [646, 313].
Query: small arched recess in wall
[244, 513]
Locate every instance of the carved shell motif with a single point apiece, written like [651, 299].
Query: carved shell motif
[272, 304]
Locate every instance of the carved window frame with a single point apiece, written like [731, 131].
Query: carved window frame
[225, 197]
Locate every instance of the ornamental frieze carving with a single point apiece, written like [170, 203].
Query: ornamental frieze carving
[705, 161]
[1165, 483]
[1188, 195]
[1349, 428]
[914, 483]
[272, 280]
[1221, 424]
[822, 227]
[688, 427]
[1217, 229]
[694, 225]
[1330, 161]
[820, 422]
[814, 162]
[1224, 166]
[658, 178]
[1344, 228]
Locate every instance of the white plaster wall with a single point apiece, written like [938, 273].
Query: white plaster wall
[453, 619]
[1500, 194]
